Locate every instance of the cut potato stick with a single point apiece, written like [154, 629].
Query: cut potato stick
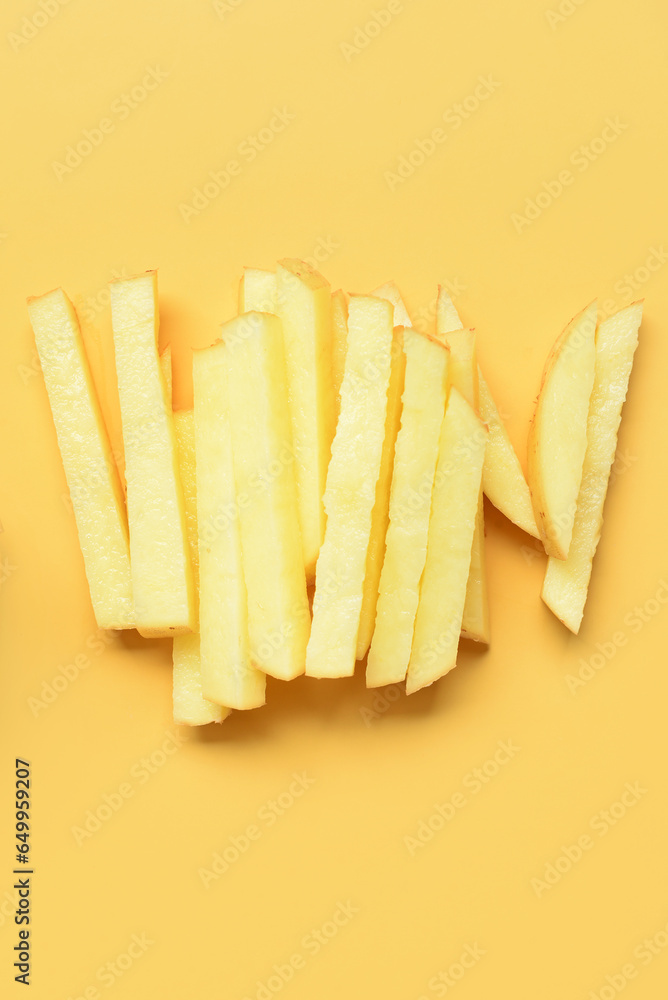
[351, 489]
[463, 374]
[558, 432]
[257, 291]
[162, 581]
[391, 293]
[90, 469]
[380, 514]
[567, 580]
[191, 708]
[410, 505]
[454, 505]
[339, 345]
[304, 304]
[503, 481]
[273, 560]
[228, 675]
[184, 427]
[447, 317]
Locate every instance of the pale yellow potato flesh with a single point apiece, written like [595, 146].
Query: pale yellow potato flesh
[380, 514]
[558, 432]
[90, 469]
[184, 427]
[391, 292]
[191, 708]
[503, 480]
[463, 374]
[273, 560]
[339, 344]
[454, 505]
[229, 676]
[351, 489]
[447, 317]
[162, 580]
[257, 291]
[410, 505]
[304, 304]
[567, 580]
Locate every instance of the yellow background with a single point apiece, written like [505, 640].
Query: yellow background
[322, 181]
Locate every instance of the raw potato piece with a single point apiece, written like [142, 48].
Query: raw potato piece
[92, 477]
[339, 344]
[390, 292]
[463, 374]
[380, 514]
[273, 560]
[447, 317]
[351, 490]
[191, 708]
[451, 527]
[503, 481]
[228, 675]
[410, 505]
[558, 432]
[304, 304]
[257, 291]
[502, 477]
[567, 581]
[162, 581]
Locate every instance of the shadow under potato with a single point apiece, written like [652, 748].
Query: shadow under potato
[344, 701]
